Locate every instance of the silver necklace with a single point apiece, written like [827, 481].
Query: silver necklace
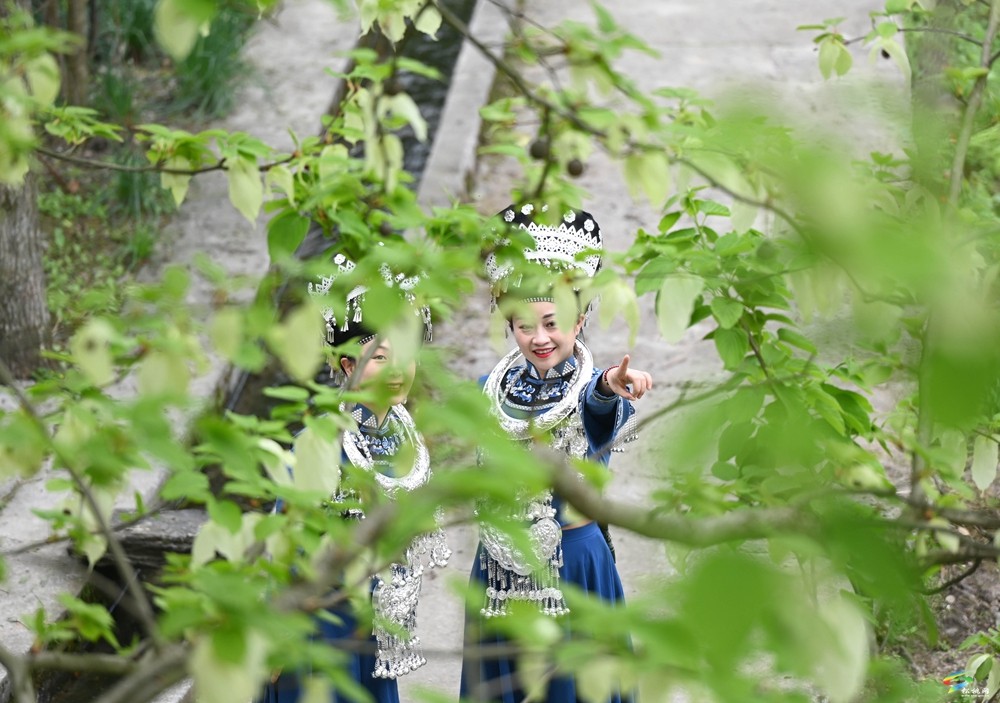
[521, 429]
[418, 474]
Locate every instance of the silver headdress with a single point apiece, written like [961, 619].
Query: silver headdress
[348, 323]
[573, 243]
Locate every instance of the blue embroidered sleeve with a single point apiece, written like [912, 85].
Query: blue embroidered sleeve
[603, 417]
[595, 401]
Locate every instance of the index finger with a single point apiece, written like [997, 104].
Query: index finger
[622, 369]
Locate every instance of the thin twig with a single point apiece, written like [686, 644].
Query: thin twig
[956, 580]
[122, 563]
[220, 165]
[975, 101]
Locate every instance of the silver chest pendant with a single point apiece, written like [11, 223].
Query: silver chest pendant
[512, 575]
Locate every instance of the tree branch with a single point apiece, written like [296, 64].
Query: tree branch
[90, 663]
[146, 681]
[741, 525]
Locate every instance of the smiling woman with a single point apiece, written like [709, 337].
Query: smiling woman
[547, 385]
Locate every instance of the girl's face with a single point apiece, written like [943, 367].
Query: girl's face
[382, 370]
[539, 338]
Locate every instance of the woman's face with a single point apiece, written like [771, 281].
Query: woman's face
[539, 338]
[382, 370]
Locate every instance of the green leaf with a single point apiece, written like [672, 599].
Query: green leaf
[894, 7]
[841, 673]
[733, 438]
[91, 620]
[886, 29]
[834, 58]
[726, 311]
[176, 28]
[316, 689]
[945, 538]
[744, 215]
[317, 462]
[712, 208]
[176, 183]
[668, 221]
[42, 74]
[91, 350]
[651, 276]
[281, 177]
[246, 188]
[724, 471]
[186, 485]
[992, 681]
[674, 304]
[896, 52]
[732, 345]
[298, 341]
[429, 21]
[984, 461]
[164, 374]
[227, 514]
[566, 307]
[229, 643]
[226, 332]
[220, 681]
[596, 682]
[292, 393]
[792, 337]
[734, 243]
[403, 106]
[648, 172]
[284, 234]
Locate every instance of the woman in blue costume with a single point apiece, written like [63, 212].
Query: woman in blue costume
[376, 656]
[549, 383]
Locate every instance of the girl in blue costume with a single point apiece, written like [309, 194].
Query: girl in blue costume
[379, 655]
[548, 383]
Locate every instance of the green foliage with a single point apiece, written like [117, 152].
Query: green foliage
[90, 253]
[788, 427]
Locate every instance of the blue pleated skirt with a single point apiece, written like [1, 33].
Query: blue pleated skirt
[587, 563]
[287, 689]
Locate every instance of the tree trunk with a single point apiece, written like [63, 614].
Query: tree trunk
[936, 112]
[24, 314]
[77, 73]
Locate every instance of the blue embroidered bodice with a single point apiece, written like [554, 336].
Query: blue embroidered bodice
[528, 393]
[379, 442]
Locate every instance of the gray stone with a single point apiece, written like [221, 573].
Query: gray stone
[147, 542]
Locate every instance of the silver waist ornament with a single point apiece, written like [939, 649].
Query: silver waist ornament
[394, 598]
[512, 575]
